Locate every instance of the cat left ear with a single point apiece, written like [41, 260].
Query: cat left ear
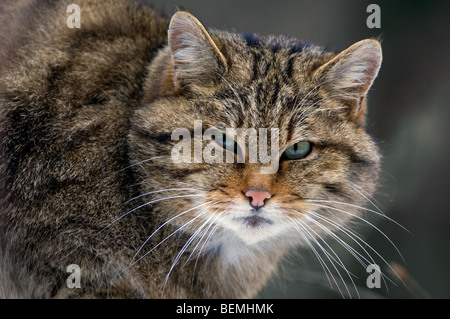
[351, 73]
[196, 58]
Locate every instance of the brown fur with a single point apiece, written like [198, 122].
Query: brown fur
[83, 106]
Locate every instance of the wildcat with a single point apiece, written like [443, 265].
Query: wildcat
[87, 178]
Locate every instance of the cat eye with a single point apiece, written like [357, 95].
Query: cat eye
[228, 143]
[298, 150]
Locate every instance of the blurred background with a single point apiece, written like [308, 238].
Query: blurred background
[409, 115]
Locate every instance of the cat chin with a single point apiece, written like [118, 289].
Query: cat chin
[265, 227]
[257, 235]
[235, 248]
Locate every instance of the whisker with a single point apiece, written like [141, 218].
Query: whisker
[319, 258]
[352, 235]
[204, 243]
[368, 196]
[201, 238]
[195, 186]
[357, 255]
[362, 219]
[144, 161]
[161, 242]
[343, 229]
[183, 249]
[143, 205]
[171, 219]
[331, 258]
[331, 233]
[381, 213]
[350, 249]
[163, 190]
[361, 208]
[156, 246]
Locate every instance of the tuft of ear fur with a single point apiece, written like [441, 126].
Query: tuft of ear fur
[196, 58]
[351, 73]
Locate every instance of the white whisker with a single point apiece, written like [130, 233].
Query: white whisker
[319, 258]
[168, 221]
[362, 219]
[162, 241]
[163, 190]
[143, 205]
[144, 161]
[201, 238]
[346, 231]
[368, 196]
[356, 254]
[330, 257]
[205, 242]
[350, 249]
[358, 207]
[184, 248]
[381, 213]
[352, 235]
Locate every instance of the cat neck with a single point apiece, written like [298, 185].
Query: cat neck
[228, 268]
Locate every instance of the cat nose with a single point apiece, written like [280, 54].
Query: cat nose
[257, 197]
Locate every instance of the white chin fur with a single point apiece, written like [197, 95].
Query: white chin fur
[271, 225]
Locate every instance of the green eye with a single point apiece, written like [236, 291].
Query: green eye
[228, 143]
[298, 150]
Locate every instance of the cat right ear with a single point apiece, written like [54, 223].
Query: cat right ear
[350, 74]
[196, 58]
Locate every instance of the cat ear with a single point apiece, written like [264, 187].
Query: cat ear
[196, 58]
[350, 74]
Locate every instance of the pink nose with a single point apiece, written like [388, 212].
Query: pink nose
[257, 198]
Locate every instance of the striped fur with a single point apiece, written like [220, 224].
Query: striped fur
[86, 117]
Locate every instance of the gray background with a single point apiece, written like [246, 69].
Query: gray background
[408, 116]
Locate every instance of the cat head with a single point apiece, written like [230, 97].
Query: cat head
[308, 109]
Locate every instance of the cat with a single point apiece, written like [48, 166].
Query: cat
[87, 117]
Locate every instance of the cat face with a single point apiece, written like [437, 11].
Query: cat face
[312, 102]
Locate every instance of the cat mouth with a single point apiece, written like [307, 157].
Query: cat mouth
[254, 221]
